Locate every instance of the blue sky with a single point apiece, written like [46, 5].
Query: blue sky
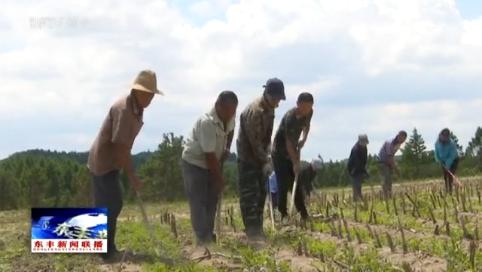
[375, 67]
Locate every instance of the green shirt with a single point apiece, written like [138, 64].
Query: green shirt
[289, 129]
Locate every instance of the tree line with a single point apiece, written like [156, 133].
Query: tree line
[47, 178]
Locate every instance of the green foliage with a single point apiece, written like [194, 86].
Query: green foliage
[52, 178]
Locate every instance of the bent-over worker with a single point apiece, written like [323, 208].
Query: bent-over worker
[447, 155]
[207, 147]
[111, 152]
[357, 166]
[254, 165]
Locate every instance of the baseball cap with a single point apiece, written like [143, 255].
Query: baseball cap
[363, 138]
[275, 88]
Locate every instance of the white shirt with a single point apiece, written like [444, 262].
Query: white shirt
[208, 135]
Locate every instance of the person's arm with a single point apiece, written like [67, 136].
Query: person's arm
[453, 154]
[290, 136]
[364, 163]
[351, 161]
[306, 128]
[390, 155]
[123, 138]
[229, 140]
[207, 140]
[253, 125]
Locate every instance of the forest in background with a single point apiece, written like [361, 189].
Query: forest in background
[45, 178]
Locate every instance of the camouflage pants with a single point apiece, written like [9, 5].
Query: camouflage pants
[252, 194]
[388, 177]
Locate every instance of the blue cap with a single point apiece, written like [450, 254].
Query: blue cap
[275, 88]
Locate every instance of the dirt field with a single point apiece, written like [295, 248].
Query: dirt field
[421, 230]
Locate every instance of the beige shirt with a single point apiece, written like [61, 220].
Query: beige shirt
[208, 135]
[121, 126]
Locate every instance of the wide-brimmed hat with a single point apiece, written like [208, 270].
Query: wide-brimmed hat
[146, 81]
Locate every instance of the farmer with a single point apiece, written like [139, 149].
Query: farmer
[447, 155]
[386, 161]
[307, 176]
[111, 152]
[357, 166]
[273, 189]
[286, 153]
[207, 147]
[254, 165]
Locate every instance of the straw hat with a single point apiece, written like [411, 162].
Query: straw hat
[146, 81]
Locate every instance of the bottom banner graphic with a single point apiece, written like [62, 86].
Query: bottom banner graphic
[69, 230]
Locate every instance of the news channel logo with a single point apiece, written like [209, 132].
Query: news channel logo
[58, 22]
[55, 229]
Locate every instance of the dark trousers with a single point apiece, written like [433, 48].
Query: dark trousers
[252, 195]
[285, 177]
[448, 178]
[202, 194]
[357, 181]
[108, 194]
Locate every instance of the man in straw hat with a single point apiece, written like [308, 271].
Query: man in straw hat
[111, 151]
[254, 165]
[286, 153]
[207, 147]
[357, 166]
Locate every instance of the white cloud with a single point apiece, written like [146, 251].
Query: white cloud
[375, 66]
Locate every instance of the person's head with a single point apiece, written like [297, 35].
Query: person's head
[363, 140]
[401, 136]
[444, 135]
[226, 105]
[274, 92]
[304, 104]
[143, 98]
[144, 88]
[316, 165]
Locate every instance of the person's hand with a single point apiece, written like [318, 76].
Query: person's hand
[267, 169]
[225, 156]
[296, 168]
[301, 144]
[135, 184]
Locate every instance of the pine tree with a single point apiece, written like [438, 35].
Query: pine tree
[414, 154]
[474, 148]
